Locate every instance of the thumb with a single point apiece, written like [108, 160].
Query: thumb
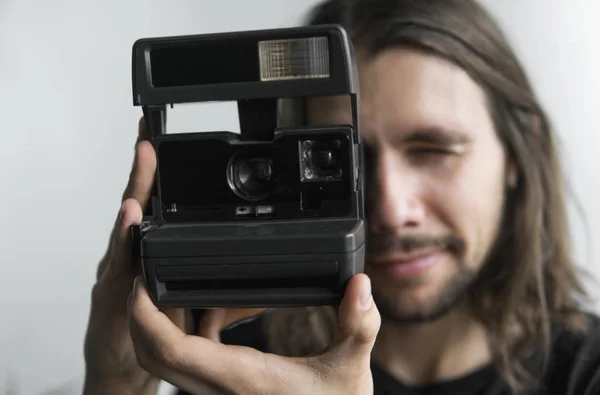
[359, 323]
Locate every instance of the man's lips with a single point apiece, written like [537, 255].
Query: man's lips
[398, 258]
[403, 266]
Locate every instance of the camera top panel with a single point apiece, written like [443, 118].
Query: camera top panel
[272, 63]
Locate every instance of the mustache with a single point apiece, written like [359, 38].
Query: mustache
[381, 244]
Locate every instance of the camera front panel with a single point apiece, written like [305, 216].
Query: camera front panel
[218, 177]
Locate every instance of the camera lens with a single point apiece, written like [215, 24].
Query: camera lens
[320, 160]
[250, 177]
[323, 159]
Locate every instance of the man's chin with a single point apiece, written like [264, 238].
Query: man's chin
[393, 310]
[419, 303]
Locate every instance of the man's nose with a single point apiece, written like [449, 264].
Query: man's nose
[394, 195]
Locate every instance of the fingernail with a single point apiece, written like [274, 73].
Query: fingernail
[366, 298]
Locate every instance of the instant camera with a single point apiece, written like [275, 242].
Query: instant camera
[268, 217]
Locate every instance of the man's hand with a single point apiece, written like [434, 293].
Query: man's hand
[111, 363]
[203, 365]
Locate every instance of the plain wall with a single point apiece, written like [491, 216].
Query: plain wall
[68, 128]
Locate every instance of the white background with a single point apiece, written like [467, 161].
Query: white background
[68, 127]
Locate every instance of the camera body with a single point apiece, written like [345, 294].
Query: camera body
[272, 216]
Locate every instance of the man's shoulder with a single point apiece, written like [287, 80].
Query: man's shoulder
[573, 366]
[574, 362]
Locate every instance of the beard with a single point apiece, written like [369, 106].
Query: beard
[453, 292]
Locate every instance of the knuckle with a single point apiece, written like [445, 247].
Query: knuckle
[365, 333]
[365, 336]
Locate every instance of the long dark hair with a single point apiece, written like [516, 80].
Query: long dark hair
[530, 280]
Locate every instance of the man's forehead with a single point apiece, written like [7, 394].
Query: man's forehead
[406, 91]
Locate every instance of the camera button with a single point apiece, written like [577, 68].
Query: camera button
[264, 211]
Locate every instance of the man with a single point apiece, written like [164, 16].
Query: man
[473, 288]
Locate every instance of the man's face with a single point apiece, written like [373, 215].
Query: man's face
[437, 174]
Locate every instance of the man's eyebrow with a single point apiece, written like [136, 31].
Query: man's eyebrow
[435, 135]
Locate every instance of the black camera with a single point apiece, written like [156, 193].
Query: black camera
[272, 216]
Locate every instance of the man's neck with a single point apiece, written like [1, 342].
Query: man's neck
[421, 354]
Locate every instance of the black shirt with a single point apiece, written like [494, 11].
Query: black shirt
[574, 367]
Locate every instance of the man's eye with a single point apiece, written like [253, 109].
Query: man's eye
[430, 156]
[429, 151]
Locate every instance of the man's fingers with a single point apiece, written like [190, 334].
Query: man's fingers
[142, 130]
[359, 323]
[135, 199]
[139, 188]
[164, 349]
[118, 260]
[144, 162]
[122, 262]
[141, 178]
[156, 338]
[169, 344]
[131, 214]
